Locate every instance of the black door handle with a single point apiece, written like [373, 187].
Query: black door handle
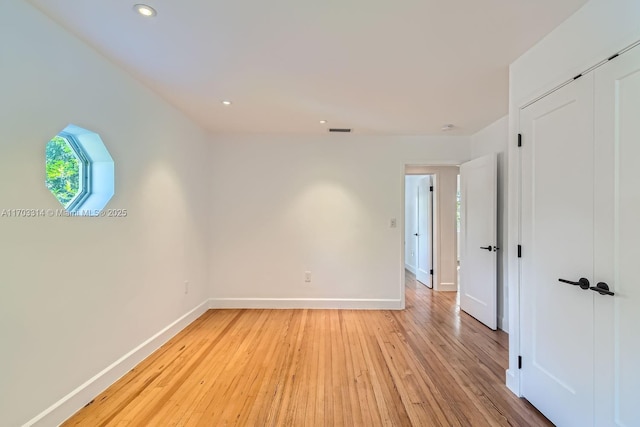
[583, 283]
[602, 288]
[415, 234]
[486, 247]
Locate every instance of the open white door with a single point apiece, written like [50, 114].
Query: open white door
[424, 234]
[478, 224]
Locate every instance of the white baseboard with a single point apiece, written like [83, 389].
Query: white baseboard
[447, 287]
[410, 268]
[78, 398]
[503, 324]
[513, 382]
[322, 303]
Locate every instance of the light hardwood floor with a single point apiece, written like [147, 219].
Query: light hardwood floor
[428, 365]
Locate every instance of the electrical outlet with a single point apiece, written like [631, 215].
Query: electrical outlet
[186, 287]
[393, 223]
[307, 276]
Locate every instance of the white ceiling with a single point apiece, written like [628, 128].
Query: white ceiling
[378, 66]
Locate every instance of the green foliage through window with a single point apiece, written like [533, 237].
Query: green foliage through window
[63, 170]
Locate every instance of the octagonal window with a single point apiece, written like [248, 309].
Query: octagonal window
[79, 171]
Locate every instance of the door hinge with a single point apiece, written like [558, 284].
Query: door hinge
[519, 362]
[431, 188]
[431, 272]
[519, 251]
[519, 140]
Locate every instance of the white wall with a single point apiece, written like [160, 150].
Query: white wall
[285, 205]
[493, 139]
[593, 33]
[77, 294]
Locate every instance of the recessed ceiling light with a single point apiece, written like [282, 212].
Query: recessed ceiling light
[447, 127]
[323, 122]
[226, 102]
[145, 10]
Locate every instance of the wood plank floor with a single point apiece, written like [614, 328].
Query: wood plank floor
[428, 365]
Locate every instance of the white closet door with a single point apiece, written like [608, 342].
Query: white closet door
[557, 243]
[617, 249]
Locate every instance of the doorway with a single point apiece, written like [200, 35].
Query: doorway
[442, 240]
